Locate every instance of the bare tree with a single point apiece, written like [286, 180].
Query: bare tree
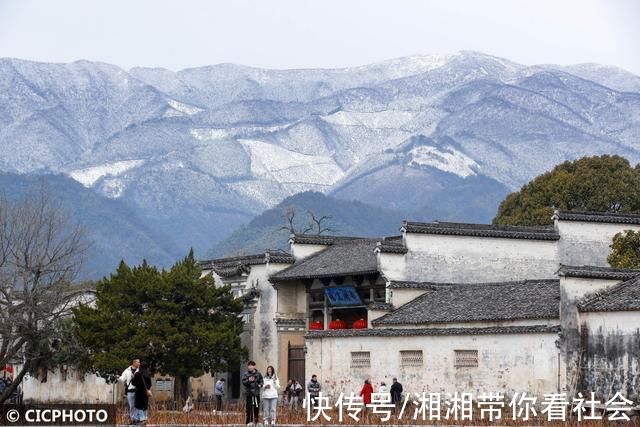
[316, 224]
[41, 252]
[289, 216]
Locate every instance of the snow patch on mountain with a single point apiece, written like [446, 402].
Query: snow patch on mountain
[181, 109]
[217, 134]
[375, 120]
[89, 176]
[285, 166]
[446, 159]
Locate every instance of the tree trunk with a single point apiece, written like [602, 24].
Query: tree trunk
[182, 390]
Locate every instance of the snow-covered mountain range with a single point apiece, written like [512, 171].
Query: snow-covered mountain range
[200, 151]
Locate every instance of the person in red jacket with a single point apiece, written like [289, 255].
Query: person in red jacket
[366, 391]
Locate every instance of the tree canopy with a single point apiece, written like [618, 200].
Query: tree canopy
[176, 320]
[599, 183]
[625, 250]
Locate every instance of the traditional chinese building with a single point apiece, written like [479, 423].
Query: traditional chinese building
[458, 307]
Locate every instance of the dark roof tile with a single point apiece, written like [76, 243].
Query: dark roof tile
[482, 230]
[410, 332]
[235, 266]
[608, 217]
[594, 272]
[442, 303]
[314, 239]
[383, 306]
[343, 257]
[624, 296]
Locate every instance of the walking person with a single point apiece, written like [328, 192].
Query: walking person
[366, 392]
[396, 393]
[382, 388]
[270, 391]
[295, 392]
[142, 382]
[219, 393]
[252, 381]
[314, 389]
[129, 389]
[287, 393]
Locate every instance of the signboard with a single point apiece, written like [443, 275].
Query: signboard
[343, 296]
[163, 385]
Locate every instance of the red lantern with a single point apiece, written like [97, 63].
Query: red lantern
[316, 326]
[337, 324]
[360, 324]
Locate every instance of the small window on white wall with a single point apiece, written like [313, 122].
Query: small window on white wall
[360, 359]
[466, 358]
[411, 358]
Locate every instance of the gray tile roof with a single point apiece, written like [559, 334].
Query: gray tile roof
[343, 257]
[608, 217]
[441, 303]
[404, 284]
[624, 296]
[383, 306]
[411, 332]
[314, 239]
[235, 266]
[482, 230]
[392, 247]
[594, 272]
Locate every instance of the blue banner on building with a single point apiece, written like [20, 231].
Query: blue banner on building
[343, 295]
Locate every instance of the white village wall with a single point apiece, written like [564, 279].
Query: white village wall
[611, 354]
[507, 363]
[303, 250]
[264, 347]
[573, 289]
[401, 296]
[587, 243]
[57, 388]
[392, 265]
[466, 259]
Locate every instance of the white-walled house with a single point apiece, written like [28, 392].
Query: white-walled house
[471, 307]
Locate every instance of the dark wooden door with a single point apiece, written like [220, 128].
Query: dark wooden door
[296, 363]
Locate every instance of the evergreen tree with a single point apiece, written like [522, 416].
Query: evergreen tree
[625, 250]
[599, 183]
[176, 320]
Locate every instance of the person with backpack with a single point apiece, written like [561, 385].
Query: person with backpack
[142, 382]
[129, 389]
[252, 381]
[270, 391]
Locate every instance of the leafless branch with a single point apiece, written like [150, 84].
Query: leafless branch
[316, 224]
[41, 252]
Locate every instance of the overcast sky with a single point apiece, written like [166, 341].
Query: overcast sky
[322, 33]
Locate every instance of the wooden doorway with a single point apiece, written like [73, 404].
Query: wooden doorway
[296, 363]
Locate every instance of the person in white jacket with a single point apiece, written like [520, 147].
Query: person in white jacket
[270, 391]
[130, 389]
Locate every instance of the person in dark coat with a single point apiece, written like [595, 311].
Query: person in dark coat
[142, 382]
[252, 381]
[396, 392]
[314, 390]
